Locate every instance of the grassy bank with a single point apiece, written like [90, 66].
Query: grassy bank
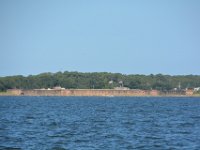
[6, 94]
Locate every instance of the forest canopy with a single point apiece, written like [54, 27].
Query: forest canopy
[99, 80]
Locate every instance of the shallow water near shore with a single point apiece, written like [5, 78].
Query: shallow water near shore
[99, 123]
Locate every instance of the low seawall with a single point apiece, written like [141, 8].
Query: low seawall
[89, 92]
[93, 92]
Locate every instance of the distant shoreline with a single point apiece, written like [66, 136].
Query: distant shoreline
[1, 95]
[96, 93]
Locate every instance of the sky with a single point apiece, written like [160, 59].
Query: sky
[124, 36]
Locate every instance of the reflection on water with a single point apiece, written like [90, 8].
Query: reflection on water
[99, 123]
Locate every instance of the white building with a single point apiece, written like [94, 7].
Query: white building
[197, 89]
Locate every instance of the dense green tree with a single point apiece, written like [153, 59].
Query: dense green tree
[101, 80]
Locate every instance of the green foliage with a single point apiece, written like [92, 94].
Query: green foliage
[197, 92]
[102, 80]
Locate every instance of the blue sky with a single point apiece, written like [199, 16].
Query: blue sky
[126, 36]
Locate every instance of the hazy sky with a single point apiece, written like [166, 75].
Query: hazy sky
[126, 36]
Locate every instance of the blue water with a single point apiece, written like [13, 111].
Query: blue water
[99, 123]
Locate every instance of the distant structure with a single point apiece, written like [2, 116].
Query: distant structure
[121, 84]
[179, 85]
[117, 91]
[121, 88]
[196, 89]
[58, 88]
[189, 92]
[110, 82]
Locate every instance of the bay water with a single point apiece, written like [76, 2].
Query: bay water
[99, 123]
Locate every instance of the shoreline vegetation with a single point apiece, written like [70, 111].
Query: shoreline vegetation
[100, 84]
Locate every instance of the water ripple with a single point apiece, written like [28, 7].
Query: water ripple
[60, 123]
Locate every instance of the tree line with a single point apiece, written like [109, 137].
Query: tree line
[99, 80]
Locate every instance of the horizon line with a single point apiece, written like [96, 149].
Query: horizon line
[48, 72]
